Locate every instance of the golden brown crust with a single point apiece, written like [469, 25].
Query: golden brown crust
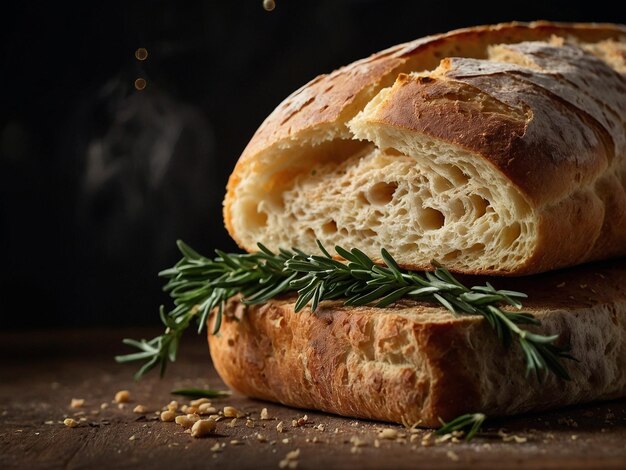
[415, 362]
[331, 100]
[555, 137]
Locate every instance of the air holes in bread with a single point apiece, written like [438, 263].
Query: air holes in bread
[255, 217]
[431, 219]
[381, 193]
[329, 227]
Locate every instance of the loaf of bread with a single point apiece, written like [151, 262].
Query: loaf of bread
[417, 363]
[496, 150]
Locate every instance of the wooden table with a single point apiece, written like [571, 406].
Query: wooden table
[41, 372]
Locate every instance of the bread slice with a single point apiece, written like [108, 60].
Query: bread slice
[497, 150]
[417, 363]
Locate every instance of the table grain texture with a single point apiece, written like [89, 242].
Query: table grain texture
[40, 372]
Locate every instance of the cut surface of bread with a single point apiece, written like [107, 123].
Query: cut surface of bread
[413, 362]
[496, 150]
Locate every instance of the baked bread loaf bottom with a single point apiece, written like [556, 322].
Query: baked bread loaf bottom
[417, 363]
[496, 150]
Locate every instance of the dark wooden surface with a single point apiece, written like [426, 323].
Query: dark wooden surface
[40, 372]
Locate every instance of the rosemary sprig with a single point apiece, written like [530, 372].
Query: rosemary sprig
[469, 423]
[198, 285]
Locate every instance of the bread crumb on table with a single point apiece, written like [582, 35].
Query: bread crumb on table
[203, 427]
[290, 460]
[70, 422]
[388, 433]
[123, 396]
[77, 402]
[200, 401]
[232, 412]
[206, 409]
[168, 416]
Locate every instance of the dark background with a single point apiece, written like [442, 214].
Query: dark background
[98, 180]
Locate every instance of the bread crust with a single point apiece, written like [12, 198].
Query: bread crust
[413, 362]
[329, 101]
[560, 155]
[586, 145]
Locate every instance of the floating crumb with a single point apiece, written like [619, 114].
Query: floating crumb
[269, 5]
[280, 427]
[77, 402]
[104, 406]
[70, 422]
[264, 414]
[249, 423]
[452, 455]
[232, 423]
[132, 438]
[172, 406]
[236, 442]
[261, 437]
[216, 447]
[140, 409]
[320, 427]
[123, 396]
